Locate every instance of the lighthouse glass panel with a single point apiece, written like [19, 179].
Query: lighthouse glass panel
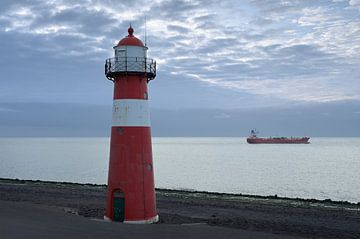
[120, 53]
[120, 60]
[136, 58]
[130, 59]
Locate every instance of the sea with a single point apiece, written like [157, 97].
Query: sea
[327, 168]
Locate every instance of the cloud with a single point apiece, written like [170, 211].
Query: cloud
[2, 109]
[355, 4]
[222, 116]
[289, 50]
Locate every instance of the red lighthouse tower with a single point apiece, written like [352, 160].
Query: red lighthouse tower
[131, 193]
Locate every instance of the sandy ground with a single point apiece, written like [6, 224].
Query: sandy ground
[271, 215]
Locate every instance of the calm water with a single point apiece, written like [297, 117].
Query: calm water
[326, 168]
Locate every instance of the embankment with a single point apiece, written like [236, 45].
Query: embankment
[298, 217]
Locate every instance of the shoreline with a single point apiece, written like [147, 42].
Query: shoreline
[218, 194]
[268, 214]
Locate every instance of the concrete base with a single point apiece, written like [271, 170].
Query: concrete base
[147, 221]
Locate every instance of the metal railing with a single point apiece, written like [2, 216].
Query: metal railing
[130, 65]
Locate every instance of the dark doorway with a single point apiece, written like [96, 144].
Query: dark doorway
[119, 205]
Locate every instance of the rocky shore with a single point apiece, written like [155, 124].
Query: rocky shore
[296, 217]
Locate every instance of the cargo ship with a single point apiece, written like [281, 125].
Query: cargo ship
[254, 139]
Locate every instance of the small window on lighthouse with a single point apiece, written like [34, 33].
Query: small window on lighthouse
[120, 53]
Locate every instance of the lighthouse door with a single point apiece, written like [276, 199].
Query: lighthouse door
[119, 206]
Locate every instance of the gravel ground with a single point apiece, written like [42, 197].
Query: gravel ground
[297, 217]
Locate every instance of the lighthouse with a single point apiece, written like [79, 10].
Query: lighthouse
[131, 191]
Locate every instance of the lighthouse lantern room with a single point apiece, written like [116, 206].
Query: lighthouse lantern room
[131, 191]
[130, 58]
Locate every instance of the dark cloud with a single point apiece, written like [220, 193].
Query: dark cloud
[178, 29]
[208, 18]
[296, 60]
[262, 21]
[171, 10]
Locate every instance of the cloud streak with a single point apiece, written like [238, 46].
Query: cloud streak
[298, 51]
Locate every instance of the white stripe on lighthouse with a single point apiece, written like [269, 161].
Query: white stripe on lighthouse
[131, 112]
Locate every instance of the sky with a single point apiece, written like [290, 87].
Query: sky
[223, 67]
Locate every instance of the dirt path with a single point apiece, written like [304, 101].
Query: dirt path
[306, 218]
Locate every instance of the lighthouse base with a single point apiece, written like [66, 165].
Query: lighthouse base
[147, 221]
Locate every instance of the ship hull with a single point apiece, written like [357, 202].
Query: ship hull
[256, 140]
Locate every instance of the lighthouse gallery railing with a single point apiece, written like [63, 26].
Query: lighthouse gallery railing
[130, 65]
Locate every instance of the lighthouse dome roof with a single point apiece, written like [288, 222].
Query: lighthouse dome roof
[130, 40]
